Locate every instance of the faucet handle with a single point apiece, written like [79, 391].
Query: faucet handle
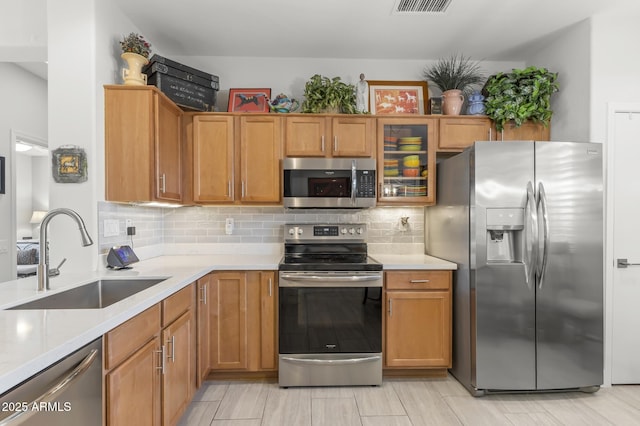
[53, 272]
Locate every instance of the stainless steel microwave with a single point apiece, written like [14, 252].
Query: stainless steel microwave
[329, 183]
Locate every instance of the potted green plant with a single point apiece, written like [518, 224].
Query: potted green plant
[135, 51]
[454, 76]
[332, 95]
[521, 95]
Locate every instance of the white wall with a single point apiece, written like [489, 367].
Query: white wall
[76, 106]
[568, 53]
[289, 75]
[24, 195]
[615, 64]
[23, 108]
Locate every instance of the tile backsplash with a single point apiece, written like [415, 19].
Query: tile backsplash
[205, 225]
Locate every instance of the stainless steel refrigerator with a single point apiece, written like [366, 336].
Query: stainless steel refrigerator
[524, 223]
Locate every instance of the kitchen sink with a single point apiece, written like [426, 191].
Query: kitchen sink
[95, 295]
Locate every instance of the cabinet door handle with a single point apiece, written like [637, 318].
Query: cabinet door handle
[229, 188]
[270, 284]
[242, 189]
[489, 133]
[161, 353]
[418, 281]
[204, 294]
[390, 308]
[502, 136]
[335, 143]
[172, 341]
[161, 183]
[322, 143]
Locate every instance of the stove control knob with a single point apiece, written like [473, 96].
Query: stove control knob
[299, 231]
[343, 230]
[292, 231]
[359, 231]
[352, 231]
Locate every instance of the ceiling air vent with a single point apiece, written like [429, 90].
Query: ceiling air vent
[421, 6]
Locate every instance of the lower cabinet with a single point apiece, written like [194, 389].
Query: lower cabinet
[243, 321]
[418, 319]
[150, 364]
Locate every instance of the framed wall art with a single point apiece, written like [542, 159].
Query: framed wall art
[69, 164]
[398, 97]
[249, 100]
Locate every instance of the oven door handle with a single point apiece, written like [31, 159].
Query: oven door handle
[354, 187]
[301, 280]
[331, 361]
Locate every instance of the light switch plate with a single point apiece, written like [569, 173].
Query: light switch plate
[111, 228]
[4, 246]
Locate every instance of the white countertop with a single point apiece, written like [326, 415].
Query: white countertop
[32, 340]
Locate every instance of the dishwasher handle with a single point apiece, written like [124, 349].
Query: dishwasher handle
[20, 417]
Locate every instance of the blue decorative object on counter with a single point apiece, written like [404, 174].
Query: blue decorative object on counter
[283, 104]
[476, 104]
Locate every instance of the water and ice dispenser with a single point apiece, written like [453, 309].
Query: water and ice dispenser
[504, 235]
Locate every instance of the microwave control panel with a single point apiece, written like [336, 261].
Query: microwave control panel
[366, 183]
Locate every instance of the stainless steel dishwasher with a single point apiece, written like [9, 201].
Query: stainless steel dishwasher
[68, 392]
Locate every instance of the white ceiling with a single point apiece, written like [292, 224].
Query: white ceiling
[357, 29]
[483, 29]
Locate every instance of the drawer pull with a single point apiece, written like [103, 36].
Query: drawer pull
[419, 281]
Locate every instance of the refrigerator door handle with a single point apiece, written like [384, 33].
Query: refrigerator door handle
[531, 242]
[543, 215]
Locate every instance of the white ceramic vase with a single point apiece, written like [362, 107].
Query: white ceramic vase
[133, 76]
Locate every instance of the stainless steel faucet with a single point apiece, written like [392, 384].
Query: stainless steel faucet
[43, 264]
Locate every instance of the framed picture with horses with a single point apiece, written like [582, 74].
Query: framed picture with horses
[398, 97]
[249, 100]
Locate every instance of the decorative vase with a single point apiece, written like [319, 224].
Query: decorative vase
[133, 76]
[476, 104]
[452, 101]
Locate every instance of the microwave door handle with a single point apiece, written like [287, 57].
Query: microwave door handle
[353, 182]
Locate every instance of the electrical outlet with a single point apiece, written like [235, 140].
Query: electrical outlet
[228, 226]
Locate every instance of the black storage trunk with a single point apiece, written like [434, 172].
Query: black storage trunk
[188, 87]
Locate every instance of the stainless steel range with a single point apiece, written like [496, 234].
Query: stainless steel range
[330, 312]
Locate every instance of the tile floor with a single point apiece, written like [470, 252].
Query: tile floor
[404, 402]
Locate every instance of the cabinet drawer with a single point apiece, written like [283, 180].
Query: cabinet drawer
[174, 305]
[418, 280]
[125, 339]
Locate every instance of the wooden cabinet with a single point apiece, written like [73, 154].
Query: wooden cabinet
[459, 132]
[143, 145]
[150, 364]
[179, 374]
[178, 340]
[243, 321]
[418, 319]
[260, 147]
[329, 136]
[133, 389]
[406, 160]
[133, 365]
[203, 336]
[236, 159]
[528, 131]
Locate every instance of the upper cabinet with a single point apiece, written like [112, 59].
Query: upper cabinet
[406, 160]
[236, 159]
[529, 131]
[329, 136]
[459, 132]
[143, 145]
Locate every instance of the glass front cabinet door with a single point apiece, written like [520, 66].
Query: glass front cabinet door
[406, 160]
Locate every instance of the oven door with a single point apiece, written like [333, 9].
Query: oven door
[330, 328]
